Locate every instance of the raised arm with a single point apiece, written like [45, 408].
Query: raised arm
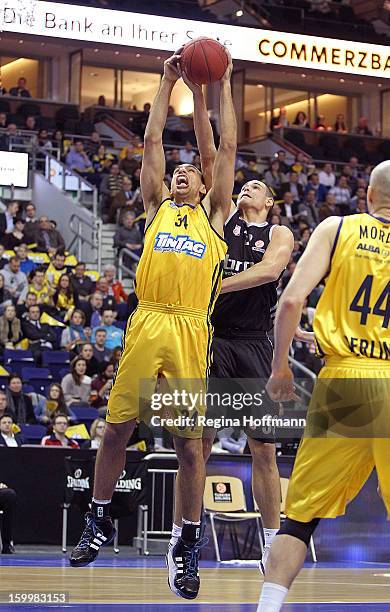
[218, 200]
[310, 270]
[153, 163]
[269, 269]
[203, 131]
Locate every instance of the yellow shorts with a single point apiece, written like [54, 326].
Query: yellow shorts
[347, 435]
[162, 374]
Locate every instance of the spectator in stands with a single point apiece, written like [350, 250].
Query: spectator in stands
[60, 144]
[251, 171]
[101, 386]
[15, 238]
[58, 437]
[320, 124]
[360, 194]
[56, 402]
[82, 284]
[30, 123]
[281, 157]
[328, 209]
[55, 270]
[128, 236]
[361, 206]
[294, 187]
[93, 309]
[273, 177]
[77, 385]
[93, 365]
[116, 355]
[342, 194]
[14, 280]
[5, 296]
[20, 90]
[102, 162]
[187, 153]
[78, 160]
[128, 164]
[93, 144]
[125, 198]
[111, 184]
[100, 352]
[301, 120]
[362, 127]
[314, 184]
[43, 140]
[7, 218]
[3, 403]
[136, 148]
[74, 334]
[11, 137]
[176, 130]
[289, 208]
[300, 167]
[326, 176]
[280, 121]
[173, 161]
[38, 286]
[102, 286]
[19, 405]
[115, 286]
[351, 180]
[23, 305]
[354, 165]
[114, 334]
[63, 298]
[26, 265]
[31, 223]
[308, 211]
[339, 125]
[3, 120]
[41, 336]
[48, 238]
[96, 433]
[10, 328]
[7, 435]
[101, 101]
[3, 260]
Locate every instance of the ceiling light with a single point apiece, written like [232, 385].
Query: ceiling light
[43, 44]
[116, 52]
[342, 81]
[138, 55]
[259, 85]
[303, 76]
[20, 42]
[96, 50]
[239, 13]
[379, 84]
[158, 57]
[361, 83]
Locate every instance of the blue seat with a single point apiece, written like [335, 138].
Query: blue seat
[28, 389]
[29, 374]
[33, 434]
[18, 354]
[3, 382]
[63, 372]
[57, 357]
[15, 366]
[40, 385]
[15, 360]
[57, 371]
[84, 413]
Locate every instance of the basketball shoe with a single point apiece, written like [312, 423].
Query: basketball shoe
[95, 534]
[182, 561]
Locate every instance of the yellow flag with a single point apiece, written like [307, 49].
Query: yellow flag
[78, 432]
[3, 371]
[45, 318]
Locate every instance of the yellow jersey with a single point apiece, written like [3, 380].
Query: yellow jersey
[353, 314]
[181, 264]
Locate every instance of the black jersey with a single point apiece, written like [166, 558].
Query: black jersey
[249, 309]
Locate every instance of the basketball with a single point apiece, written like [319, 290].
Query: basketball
[204, 60]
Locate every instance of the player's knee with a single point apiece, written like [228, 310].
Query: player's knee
[207, 444]
[189, 452]
[263, 454]
[301, 531]
[118, 434]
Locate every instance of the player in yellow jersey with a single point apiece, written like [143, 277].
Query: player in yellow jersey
[348, 422]
[169, 335]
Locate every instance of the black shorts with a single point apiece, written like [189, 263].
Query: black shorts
[241, 366]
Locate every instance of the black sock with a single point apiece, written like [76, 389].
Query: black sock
[100, 511]
[191, 532]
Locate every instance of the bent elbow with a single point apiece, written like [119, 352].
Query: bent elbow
[291, 302]
[152, 138]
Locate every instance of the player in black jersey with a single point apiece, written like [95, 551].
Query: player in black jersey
[257, 255]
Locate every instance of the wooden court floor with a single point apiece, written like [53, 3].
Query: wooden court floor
[228, 585]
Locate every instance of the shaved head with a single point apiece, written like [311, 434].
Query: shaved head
[379, 187]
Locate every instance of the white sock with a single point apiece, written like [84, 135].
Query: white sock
[272, 597]
[101, 502]
[175, 535]
[186, 522]
[269, 535]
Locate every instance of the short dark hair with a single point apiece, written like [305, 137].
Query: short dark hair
[7, 415]
[100, 329]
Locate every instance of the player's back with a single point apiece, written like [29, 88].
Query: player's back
[353, 314]
[181, 264]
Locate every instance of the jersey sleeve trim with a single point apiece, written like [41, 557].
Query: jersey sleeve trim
[336, 238]
[211, 225]
[155, 215]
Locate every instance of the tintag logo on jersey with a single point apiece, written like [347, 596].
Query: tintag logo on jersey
[179, 244]
[237, 230]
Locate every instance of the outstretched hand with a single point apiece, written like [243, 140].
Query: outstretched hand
[280, 386]
[171, 68]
